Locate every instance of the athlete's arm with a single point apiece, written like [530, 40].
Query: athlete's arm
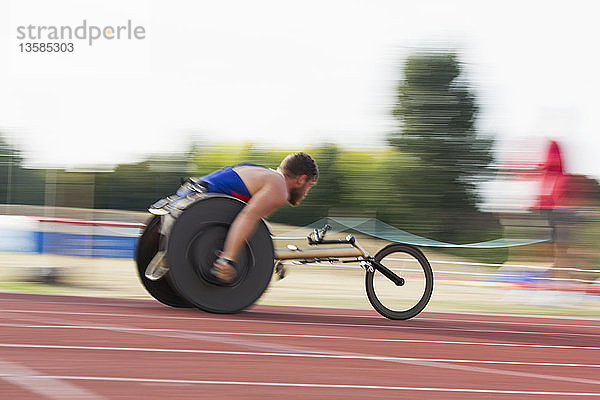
[265, 201]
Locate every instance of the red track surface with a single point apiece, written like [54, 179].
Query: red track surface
[59, 347]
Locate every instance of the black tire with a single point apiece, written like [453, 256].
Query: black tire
[400, 302]
[194, 239]
[147, 246]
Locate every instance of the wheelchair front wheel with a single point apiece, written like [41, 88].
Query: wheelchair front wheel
[408, 300]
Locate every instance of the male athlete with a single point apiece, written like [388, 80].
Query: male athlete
[265, 190]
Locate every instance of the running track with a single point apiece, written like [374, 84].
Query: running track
[60, 347]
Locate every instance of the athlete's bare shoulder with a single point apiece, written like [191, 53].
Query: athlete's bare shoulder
[256, 178]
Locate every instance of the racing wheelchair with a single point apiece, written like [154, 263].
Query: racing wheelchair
[187, 229]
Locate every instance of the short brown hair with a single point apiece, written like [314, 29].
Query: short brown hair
[297, 164]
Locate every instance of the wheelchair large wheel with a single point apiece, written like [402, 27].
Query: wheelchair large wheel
[197, 234]
[147, 247]
[408, 300]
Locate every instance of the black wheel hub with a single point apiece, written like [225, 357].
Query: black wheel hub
[202, 253]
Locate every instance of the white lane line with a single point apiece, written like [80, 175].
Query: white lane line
[426, 318]
[422, 317]
[278, 349]
[487, 370]
[142, 303]
[263, 321]
[318, 385]
[52, 388]
[151, 304]
[511, 323]
[317, 354]
[291, 335]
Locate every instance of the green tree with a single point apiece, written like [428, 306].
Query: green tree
[10, 166]
[437, 113]
[136, 186]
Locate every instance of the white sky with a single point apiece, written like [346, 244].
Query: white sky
[290, 74]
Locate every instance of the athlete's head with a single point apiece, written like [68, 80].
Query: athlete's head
[301, 173]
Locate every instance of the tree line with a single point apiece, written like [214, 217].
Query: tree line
[425, 181]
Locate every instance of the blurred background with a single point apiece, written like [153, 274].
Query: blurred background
[456, 121]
